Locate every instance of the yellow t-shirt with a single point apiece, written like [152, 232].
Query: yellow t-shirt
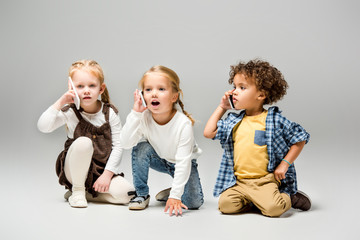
[250, 150]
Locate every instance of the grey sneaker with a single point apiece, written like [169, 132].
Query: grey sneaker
[163, 195]
[139, 202]
[67, 195]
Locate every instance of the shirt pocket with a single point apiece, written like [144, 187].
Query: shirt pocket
[259, 138]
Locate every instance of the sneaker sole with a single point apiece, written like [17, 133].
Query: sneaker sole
[81, 206]
[137, 208]
[163, 195]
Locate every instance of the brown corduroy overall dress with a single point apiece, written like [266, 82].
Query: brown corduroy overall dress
[102, 143]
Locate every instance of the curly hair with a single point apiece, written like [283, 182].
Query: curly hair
[267, 78]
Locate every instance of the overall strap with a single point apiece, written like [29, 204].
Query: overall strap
[72, 105]
[77, 113]
[106, 110]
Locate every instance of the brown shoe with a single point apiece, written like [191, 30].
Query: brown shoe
[300, 201]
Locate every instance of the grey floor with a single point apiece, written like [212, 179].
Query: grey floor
[314, 43]
[32, 204]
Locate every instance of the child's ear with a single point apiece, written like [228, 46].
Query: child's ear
[175, 97]
[102, 88]
[262, 96]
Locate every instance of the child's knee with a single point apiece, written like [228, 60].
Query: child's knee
[276, 209]
[83, 144]
[119, 189]
[141, 150]
[273, 211]
[228, 205]
[194, 203]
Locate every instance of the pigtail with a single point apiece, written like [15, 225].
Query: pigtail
[105, 97]
[185, 112]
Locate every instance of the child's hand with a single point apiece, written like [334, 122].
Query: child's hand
[67, 98]
[138, 107]
[103, 182]
[281, 170]
[174, 205]
[224, 103]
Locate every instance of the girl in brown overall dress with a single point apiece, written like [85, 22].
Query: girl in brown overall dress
[89, 164]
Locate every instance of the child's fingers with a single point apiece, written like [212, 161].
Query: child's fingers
[95, 187]
[228, 93]
[171, 210]
[180, 210]
[277, 178]
[184, 206]
[70, 96]
[137, 98]
[137, 95]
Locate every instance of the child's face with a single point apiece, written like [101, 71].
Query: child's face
[88, 87]
[246, 95]
[159, 94]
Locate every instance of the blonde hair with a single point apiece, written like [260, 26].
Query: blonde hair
[93, 68]
[174, 81]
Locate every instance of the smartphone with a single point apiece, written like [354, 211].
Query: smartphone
[142, 98]
[76, 99]
[231, 101]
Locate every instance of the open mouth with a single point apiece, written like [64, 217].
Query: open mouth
[155, 103]
[85, 98]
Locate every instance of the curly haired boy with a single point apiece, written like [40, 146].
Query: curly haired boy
[260, 146]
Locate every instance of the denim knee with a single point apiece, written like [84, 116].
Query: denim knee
[194, 203]
[142, 151]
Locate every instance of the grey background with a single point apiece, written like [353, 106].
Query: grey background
[314, 43]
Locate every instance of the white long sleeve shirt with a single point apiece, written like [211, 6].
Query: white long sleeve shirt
[173, 142]
[52, 119]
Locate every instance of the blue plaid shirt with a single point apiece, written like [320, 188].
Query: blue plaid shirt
[280, 135]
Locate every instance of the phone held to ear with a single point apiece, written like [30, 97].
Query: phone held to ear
[76, 99]
[142, 98]
[231, 101]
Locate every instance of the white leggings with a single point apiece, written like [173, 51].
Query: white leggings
[77, 163]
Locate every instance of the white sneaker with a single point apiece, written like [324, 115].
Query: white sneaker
[78, 199]
[139, 203]
[163, 195]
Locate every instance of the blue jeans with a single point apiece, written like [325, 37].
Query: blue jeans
[144, 157]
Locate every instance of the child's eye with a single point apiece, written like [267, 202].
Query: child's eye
[92, 85]
[242, 88]
[79, 86]
[162, 89]
[147, 89]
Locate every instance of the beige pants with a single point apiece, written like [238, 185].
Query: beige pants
[77, 163]
[262, 192]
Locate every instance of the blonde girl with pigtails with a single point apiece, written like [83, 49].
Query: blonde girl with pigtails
[160, 133]
[89, 165]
